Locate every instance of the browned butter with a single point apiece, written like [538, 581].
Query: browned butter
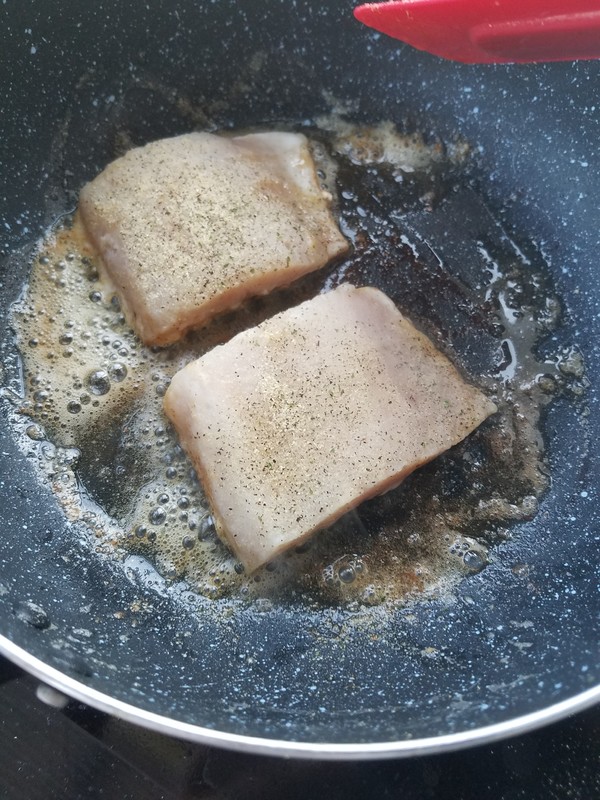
[92, 409]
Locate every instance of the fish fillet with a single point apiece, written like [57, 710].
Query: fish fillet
[298, 420]
[191, 226]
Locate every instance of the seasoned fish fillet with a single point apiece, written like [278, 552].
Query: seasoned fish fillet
[191, 226]
[294, 422]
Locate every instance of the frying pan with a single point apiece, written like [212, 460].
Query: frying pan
[513, 652]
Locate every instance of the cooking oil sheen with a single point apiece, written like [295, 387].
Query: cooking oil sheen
[92, 407]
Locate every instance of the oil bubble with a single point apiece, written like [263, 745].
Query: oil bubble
[206, 526]
[473, 561]
[98, 382]
[118, 372]
[347, 574]
[34, 432]
[328, 575]
[157, 516]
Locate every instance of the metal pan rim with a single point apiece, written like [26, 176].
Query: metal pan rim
[294, 749]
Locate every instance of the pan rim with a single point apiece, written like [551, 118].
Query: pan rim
[76, 690]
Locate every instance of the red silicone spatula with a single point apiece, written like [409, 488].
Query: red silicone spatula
[491, 31]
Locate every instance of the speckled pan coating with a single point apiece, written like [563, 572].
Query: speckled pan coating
[518, 644]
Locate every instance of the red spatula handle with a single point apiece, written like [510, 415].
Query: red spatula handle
[491, 31]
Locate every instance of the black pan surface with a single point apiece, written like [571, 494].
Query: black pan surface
[518, 638]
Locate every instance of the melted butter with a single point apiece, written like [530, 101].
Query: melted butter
[92, 411]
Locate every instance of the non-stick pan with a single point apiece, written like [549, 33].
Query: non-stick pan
[513, 645]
